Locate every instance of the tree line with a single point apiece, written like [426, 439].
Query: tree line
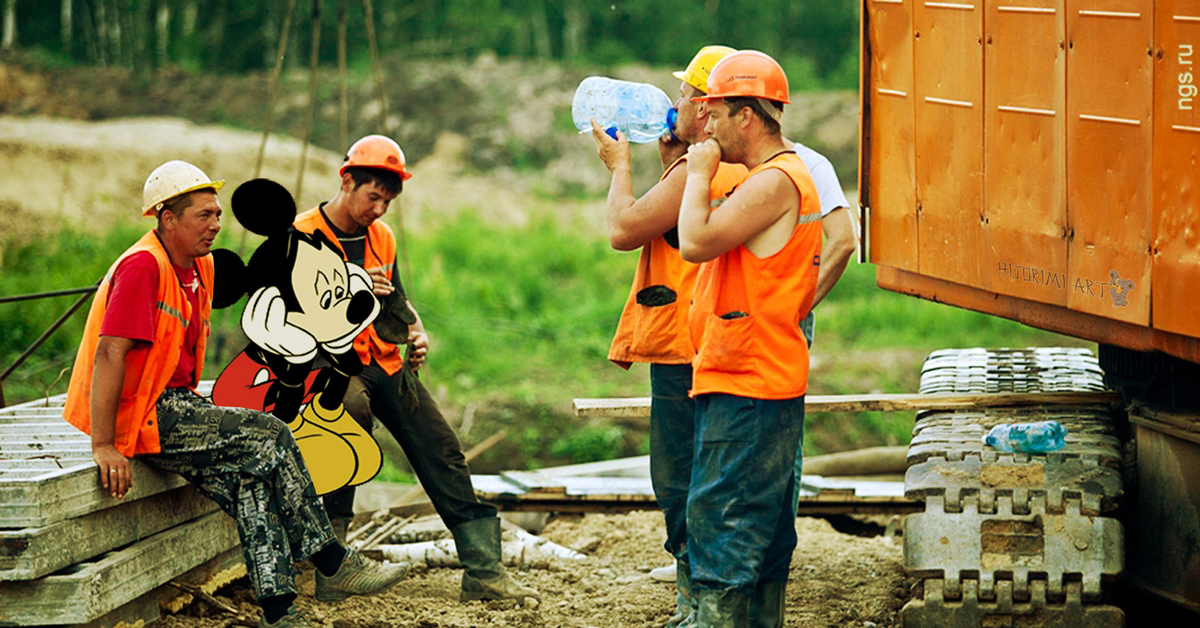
[816, 40]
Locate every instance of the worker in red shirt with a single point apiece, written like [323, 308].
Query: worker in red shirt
[133, 390]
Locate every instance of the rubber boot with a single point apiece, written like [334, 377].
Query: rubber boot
[684, 616]
[767, 604]
[721, 609]
[484, 576]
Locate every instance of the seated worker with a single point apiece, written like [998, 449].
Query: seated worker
[760, 257]
[133, 390]
[372, 175]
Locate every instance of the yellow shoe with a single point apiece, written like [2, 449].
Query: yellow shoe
[368, 457]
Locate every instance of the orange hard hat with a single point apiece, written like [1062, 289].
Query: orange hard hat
[377, 151]
[748, 73]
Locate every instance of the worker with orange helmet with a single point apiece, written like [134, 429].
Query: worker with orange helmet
[759, 256]
[653, 325]
[392, 351]
[133, 389]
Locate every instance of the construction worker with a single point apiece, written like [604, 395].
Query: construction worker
[653, 325]
[372, 176]
[133, 390]
[760, 257]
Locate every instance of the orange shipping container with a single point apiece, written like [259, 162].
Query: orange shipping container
[1037, 160]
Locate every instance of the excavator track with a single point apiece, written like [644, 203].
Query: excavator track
[1013, 539]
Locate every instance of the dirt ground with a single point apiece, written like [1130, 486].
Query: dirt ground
[837, 580]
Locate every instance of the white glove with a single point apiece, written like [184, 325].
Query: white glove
[265, 322]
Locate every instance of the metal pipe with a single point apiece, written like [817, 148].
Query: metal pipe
[43, 295]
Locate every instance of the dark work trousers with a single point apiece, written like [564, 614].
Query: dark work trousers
[741, 522]
[432, 447]
[672, 430]
[247, 462]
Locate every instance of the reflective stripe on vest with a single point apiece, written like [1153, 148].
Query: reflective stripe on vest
[148, 366]
[747, 311]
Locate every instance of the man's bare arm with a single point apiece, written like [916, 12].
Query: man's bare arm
[108, 377]
[838, 226]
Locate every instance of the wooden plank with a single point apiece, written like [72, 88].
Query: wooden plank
[39, 499]
[639, 407]
[534, 482]
[31, 553]
[89, 590]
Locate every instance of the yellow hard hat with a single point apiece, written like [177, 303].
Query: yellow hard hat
[701, 66]
[172, 179]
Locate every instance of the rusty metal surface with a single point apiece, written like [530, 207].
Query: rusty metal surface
[1164, 549]
[1109, 82]
[1025, 211]
[1176, 273]
[1040, 315]
[891, 160]
[948, 57]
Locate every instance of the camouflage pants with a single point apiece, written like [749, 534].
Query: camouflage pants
[247, 462]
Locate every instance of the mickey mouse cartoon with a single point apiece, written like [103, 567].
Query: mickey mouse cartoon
[304, 303]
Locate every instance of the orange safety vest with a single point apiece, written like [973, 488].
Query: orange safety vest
[379, 254]
[659, 333]
[759, 352]
[149, 366]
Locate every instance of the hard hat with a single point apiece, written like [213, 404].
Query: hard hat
[172, 179]
[377, 151]
[701, 66]
[748, 73]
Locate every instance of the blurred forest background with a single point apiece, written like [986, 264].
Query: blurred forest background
[817, 42]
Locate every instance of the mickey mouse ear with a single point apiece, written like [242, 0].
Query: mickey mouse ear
[263, 206]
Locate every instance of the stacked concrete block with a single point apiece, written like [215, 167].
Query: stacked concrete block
[1011, 539]
[70, 554]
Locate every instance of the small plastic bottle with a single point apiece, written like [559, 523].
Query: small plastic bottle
[1030, 438]
[640, 110]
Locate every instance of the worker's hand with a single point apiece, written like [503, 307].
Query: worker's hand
[670, 149]
[116, 476]
[265, 323]
[703, 158]
[418, 342]
[614, 153]
[382, 286]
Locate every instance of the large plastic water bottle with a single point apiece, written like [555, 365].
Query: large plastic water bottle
[642, 111]
[1031, 438]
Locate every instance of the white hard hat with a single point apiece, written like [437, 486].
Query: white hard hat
[173, 179]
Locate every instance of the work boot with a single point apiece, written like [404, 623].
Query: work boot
[358, 575]
[767, 604]
[721, 609]
[684, 616]
[295, 618]
[484, 576]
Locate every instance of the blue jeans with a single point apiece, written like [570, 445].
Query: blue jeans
[672, 430]
[741, 526]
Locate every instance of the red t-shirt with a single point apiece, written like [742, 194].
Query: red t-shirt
[132, 301]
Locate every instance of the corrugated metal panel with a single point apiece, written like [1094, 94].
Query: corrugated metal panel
[1176, 268]
[948, 55]
[1109, 79]
[1025, 215]
[892, 192]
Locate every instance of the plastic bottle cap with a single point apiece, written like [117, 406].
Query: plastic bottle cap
[612, 132]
